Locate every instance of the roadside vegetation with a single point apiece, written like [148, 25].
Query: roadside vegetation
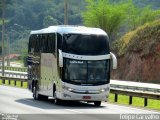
[137, 102]
[144, 38]
[117, 17]
[18, 83]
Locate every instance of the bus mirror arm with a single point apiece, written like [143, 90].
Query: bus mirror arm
[114, 60]
[60, 58]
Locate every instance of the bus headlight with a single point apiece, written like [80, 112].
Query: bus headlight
[101, 90]
[67, 88]
[70, 89]
[104, 90]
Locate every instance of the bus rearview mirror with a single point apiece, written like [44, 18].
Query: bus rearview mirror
[60, 58]
[114, 60]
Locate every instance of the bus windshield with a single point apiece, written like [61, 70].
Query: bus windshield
[85, 44]
[86, 72]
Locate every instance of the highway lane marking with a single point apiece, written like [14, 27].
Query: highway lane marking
[25, 93]
[65, 109]
[75, 111]
[133, 108]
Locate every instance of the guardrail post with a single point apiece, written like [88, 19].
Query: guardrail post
[9, 82]
[15, 83]
[21, 83]
[3, 81]
[130, 100]
[145, 102]
[116, 97]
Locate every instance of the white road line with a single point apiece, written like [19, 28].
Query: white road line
[75, 111]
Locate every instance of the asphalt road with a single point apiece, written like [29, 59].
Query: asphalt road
[18, 101]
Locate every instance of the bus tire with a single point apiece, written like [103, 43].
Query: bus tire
[32, 86]
[56, 100]
[35, 93]
[37, 96]
[43, 97]
[97, 103]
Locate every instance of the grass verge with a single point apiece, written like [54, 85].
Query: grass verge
[18, 83]
[137, 101]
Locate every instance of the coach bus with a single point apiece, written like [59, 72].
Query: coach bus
[70, 63]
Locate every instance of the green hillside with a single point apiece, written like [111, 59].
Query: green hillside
[143, 39]
[138, 54]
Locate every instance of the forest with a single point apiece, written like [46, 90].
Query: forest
[22, 16]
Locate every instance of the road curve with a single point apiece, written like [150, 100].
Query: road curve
[19, 101]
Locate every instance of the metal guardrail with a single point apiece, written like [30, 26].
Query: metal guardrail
[21, 69]
[135, 88]
[15, 74]
[135, 91]
[117, 89]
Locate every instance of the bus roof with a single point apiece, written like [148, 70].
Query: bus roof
[68, 29]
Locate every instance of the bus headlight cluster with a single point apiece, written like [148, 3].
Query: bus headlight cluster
[104, 90]
[67, 88]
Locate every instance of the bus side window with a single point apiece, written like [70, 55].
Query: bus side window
[48, 43]
[59, 41]
[33, 43]
[51, 43]
[40, 43]
[30, 43]
[44, 43]
[37, 47]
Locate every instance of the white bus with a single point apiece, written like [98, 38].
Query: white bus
[70, 63]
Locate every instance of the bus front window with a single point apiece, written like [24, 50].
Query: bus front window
[97, 71]
[75, 70]
[86, 72]
[85, 44]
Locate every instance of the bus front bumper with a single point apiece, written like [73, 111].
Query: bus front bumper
[68, 95]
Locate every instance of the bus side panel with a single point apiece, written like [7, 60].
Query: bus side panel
[48, 73]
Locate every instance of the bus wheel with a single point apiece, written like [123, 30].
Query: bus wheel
[97, 103]
[43, 97]
[56, 100]
[35, 94]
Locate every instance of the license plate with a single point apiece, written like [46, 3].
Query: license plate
[86, 97]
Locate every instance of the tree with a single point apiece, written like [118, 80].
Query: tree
[139, 16]
[103, 14]
[117, 17]
[49, 21]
